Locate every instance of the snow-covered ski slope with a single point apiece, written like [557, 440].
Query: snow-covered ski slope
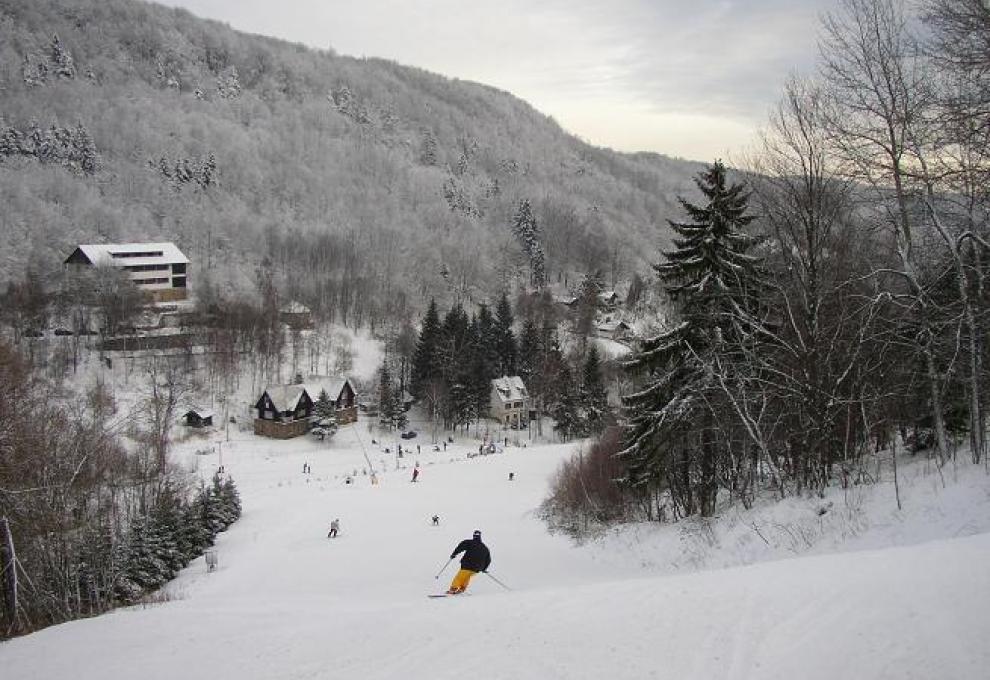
[287, 602]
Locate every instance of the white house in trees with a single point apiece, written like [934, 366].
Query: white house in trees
[509, 401]
[159, 269]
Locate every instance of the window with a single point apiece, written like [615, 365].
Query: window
[179, 268]
[146, 253]
[146, 267]
[179, 282]
[518, 404]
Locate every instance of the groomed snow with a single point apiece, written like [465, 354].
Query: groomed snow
[287, 602]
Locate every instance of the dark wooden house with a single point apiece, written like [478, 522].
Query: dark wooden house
[198, 417]
[285, 411]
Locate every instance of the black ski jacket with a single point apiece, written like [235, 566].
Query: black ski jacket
[476, 555]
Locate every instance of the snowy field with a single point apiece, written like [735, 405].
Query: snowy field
[902, 594]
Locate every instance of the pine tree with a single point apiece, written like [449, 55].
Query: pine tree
[326, 416]
[564, 407]
[505, 340]
[587, 304]
[61, 59]
[708, 275]
[425, 366]
[593, 395]
[527, 232]
[479, 367]
[231, 498]
[529, 352]
[387, 406]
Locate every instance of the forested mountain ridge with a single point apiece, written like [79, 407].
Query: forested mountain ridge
[367, 184]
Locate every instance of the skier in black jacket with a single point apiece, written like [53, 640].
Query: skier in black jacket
[476, 558]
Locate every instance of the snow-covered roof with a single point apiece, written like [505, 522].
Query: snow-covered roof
[564, 299]
[333, 384]
[510, 388]
[294, 307]
[612, 326]
[286, 397]
[608, 296]
[121, 254]
[202, 413]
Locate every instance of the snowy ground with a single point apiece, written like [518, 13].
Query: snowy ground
[901, 594]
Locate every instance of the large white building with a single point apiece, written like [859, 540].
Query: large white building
[159, 269]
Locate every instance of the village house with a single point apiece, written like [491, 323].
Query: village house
[199, 417]
[296, 315]
[286, 411]
[157, 269]
[608, 299]
[613, 330]
[509, 401]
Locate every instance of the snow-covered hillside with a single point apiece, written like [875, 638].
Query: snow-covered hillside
[287, 602]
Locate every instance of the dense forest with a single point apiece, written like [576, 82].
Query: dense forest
[369, 186]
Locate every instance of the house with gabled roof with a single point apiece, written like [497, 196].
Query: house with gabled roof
[341, 393]
[286, 411]
[158, 269]
[509, 401]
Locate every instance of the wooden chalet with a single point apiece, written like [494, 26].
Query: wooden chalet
[198, 417]
[157, 269]
[341, 393]
[286, 411]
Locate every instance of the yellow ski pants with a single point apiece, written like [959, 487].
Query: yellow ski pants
[461, 580]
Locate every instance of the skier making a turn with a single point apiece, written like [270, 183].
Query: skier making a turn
[476, 558]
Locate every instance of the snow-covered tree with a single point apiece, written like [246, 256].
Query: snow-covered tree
[708, 275]
[326, 417]
[527, 232]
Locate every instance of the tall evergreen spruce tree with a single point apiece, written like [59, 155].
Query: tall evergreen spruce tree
[425, 367]
[505, 342]
[593, 396]
[564, 406]
[326, 416]
[387, 406]
[670, 437]
[529, 349]
[480, 372]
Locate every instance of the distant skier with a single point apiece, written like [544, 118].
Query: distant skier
[334, 528]
[415, 473]
[436, 520]
[476, 558]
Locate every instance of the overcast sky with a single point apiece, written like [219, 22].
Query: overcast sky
[689, 78]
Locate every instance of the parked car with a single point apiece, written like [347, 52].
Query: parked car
[63, 331]
[408, 435]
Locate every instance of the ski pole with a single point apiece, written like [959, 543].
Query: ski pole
[498, 582]
[444, 567]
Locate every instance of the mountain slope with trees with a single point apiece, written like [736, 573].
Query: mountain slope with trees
[369, 186]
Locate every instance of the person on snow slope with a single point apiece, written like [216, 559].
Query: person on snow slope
[476, 558]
